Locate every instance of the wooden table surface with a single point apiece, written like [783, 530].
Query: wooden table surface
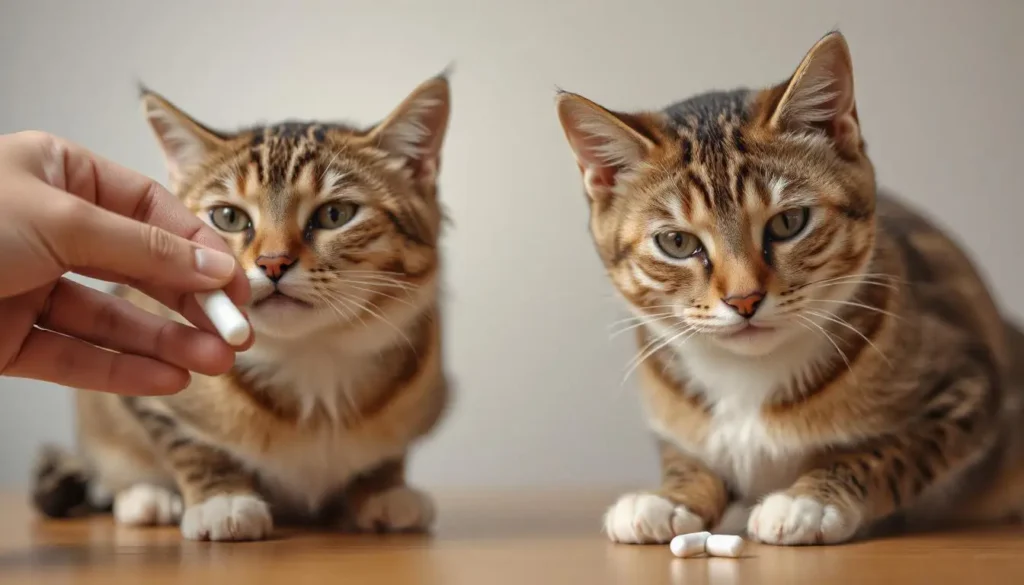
[482, 539]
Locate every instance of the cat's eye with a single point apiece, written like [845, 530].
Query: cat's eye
[331, 216]
[787, 224]
[678, 245]
[228, 218]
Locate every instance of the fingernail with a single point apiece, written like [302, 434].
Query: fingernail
[214, 264]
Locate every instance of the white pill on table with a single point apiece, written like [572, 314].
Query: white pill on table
[225, 316]
[688, 545]
[724, 545]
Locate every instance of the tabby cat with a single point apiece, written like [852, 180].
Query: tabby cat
[338, 229]
[813, 353]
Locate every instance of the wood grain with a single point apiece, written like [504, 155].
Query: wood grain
[482, 538]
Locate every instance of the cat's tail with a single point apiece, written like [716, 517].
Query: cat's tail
[60, 484]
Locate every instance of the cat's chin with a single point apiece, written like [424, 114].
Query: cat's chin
[285, 317]
[280, 302]
[751, 341]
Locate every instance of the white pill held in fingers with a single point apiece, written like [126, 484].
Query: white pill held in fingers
[225, 316]
[688, 545]
[724, 545]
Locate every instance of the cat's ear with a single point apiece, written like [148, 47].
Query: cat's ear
[415, 130]
[604, 144]
[819, 96]
[185, 142]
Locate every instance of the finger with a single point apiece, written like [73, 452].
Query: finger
[130, 194]
[185, 305]
[56, 358]
[188, 307]
[69, 167]
[96, 238]
[239, 295]
[172, 301]
[116, 324]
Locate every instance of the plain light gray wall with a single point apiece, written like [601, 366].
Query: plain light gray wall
[539, 395]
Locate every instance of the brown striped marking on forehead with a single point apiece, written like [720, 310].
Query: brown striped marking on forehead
[709, 129]
[280, 152]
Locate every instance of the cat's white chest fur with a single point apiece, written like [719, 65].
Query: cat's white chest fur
[306, 469]
[740, 447]
[740, 450]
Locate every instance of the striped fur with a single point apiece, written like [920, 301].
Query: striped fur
[316, 420]
[872, 383]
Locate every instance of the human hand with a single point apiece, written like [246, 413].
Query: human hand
[64, 209]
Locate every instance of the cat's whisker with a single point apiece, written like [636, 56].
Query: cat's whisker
[398, 285]
[842, 354]
[345, 276]
[669, 306]
[385, 277]
[856, 283]
[342, 310]
[372, 272]
[654, 347]
[871, 276]
[662, 309]
[690, 331]
[648, 345]
[856, 304]
[867, 277]
[634, 318]
[381, 293]
[630, 319]
[375, 310]
[633, 326]
[349, 305]
[878, 275]
[830, 316]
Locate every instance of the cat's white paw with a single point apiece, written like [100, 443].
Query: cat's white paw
[228, 517]
[781, 519]
[147, 505]
[399, 509]
[647, 519]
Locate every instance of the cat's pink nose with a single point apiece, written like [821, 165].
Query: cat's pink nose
[746, 305]
[274, 266]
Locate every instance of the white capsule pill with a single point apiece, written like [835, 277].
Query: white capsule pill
[724, 545]
[225, 316]
[688, 545]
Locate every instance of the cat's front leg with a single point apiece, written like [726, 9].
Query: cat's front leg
[381, 501]
[691, 498]
[221, 502]
[848, 491]
[219, 495]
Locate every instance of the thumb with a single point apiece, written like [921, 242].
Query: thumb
[141, 252]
